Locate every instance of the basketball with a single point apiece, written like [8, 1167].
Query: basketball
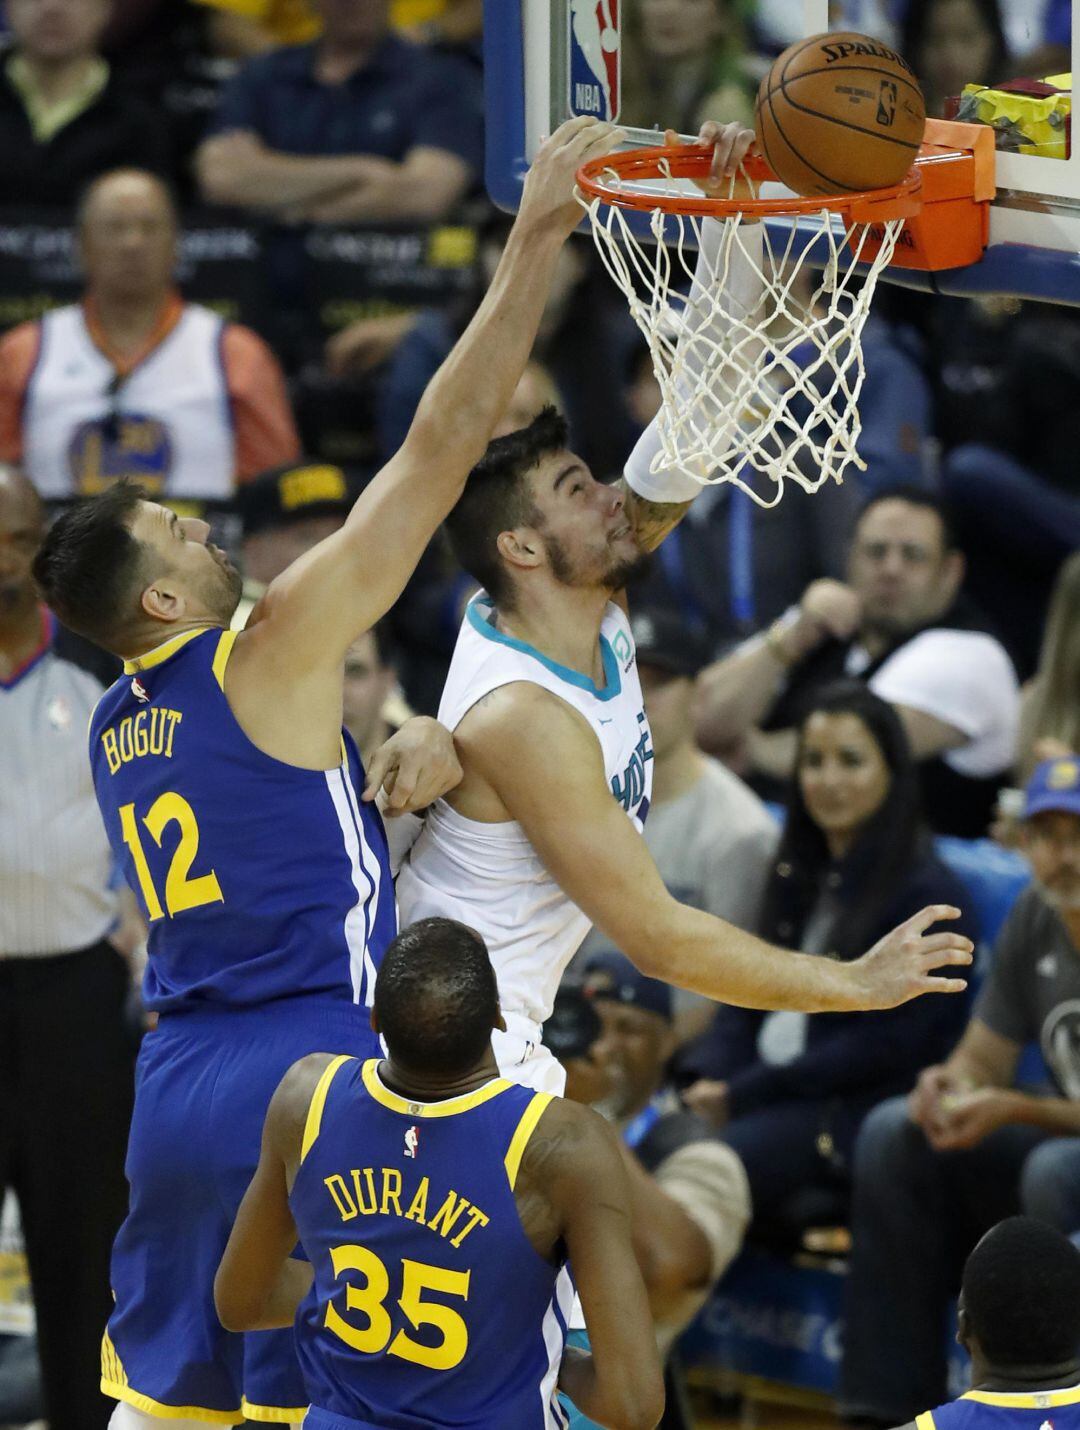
[839, 113]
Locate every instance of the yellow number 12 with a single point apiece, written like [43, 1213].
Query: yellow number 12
[181, 892]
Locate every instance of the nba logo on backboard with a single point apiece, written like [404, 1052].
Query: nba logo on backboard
[594, 58]
[412, 1141]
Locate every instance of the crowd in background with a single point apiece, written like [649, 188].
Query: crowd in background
[237, 238]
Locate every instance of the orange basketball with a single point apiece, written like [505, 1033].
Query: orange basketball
[839, 113]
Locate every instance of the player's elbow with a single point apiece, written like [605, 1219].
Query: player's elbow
[235, 1310]
[637, 1403]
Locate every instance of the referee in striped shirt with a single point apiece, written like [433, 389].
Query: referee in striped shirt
[66, 1046]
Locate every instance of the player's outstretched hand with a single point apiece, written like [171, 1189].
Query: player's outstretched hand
[549, 185]
[414, 767]
[901, 965]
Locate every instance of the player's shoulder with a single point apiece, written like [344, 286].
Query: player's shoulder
[291, 1102]
[513, 710]
[570, 1140]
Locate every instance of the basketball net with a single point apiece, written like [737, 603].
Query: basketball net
[758, 353]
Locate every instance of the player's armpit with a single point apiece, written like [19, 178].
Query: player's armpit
[620, 1384]
[651, 520]
[258, 1286]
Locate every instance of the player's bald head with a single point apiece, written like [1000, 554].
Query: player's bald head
[124, 189]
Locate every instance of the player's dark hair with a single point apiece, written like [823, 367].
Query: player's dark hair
[1021, 1293]
[89, 564]
[497, 498]
[884, 849]
[436, 998]
[920, 497]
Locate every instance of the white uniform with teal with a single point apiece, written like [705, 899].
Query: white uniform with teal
[488, 875]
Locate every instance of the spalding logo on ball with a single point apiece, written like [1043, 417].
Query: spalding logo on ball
[839, 113]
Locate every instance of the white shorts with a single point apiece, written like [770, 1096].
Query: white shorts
[522, 1057]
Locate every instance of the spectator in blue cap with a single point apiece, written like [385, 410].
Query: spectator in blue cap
[969, 1146]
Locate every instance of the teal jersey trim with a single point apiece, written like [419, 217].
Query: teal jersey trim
[612, 678]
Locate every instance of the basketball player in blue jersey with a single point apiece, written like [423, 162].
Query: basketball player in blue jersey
[233, 802]
[437, 1205]
[1020, 1321]
[542, 837]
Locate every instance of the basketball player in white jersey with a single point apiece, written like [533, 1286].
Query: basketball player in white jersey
[543, 836]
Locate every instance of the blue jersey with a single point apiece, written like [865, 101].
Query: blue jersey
[430, 1306]
[1013, 1410]
[259, 880]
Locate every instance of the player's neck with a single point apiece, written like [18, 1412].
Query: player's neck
[127, 319]
[1040, 1377]
[563, 624]
[423, 1087]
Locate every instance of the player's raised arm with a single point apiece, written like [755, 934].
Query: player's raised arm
[577, 1160]
[312, 612]
[556, 789]
[657, 500]
[258, 1285]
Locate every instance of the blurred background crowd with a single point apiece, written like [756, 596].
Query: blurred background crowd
[237, 238]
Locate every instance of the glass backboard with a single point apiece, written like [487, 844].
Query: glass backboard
[639, 61]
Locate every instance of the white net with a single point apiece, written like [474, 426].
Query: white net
[755, 333]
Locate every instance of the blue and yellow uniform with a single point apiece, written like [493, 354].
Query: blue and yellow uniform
[1006, 1410]
[430, 1307]
[268, 893]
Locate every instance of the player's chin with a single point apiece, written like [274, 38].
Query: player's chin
[626, 568]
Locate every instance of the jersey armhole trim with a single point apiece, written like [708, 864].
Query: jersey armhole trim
[524, 1130]
[313, 1123]
[925, 1421]
[221, 656]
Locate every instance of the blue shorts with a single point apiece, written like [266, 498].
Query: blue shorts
[203, 1082]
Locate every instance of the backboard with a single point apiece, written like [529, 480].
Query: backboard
[546, 60]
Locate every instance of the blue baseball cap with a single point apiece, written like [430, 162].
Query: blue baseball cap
[612, 975]
[1055, 785]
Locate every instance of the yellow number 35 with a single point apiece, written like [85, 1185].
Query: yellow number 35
[369, 1300]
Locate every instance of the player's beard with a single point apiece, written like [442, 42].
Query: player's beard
[221, 591]
[612, 576]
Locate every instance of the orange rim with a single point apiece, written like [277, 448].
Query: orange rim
[692, 161]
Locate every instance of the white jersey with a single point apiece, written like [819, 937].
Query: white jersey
[168, 424]
[488, 875]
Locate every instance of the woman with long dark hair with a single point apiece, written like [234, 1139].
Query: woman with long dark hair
[789, 1091]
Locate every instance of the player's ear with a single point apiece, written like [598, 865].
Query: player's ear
[520, 547]
[374, 1021]
[500, 1021]
[963, 1328]
[162, 601]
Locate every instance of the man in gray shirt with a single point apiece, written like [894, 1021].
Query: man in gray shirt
[969, 1147]
[712, 838]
